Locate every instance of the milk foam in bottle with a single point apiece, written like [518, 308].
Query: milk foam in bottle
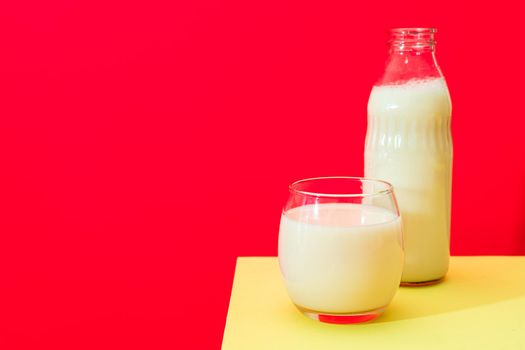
[409, 144]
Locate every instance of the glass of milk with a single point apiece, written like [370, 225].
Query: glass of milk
[341, 248]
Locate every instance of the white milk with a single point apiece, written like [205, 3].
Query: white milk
[340, 258]
[409, 144]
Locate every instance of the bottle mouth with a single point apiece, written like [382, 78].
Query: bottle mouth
[413, 31]
[412, 39]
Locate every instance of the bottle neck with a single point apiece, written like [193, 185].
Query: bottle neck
[412, 40]
[411, 56]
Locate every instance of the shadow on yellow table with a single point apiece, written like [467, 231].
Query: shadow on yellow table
[480, 305]
[472, 282]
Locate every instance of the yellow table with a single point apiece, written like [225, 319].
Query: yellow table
[480, 305]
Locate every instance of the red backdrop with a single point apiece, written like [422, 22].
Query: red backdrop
[145, 145]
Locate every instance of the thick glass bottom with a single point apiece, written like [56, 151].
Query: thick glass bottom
[342, 318]
[422, 283]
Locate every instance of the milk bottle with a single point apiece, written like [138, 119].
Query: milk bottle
[409, 144]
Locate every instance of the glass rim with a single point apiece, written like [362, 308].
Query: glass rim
[388, 190]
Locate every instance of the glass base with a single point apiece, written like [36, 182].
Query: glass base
[342, 318]
[422, 283]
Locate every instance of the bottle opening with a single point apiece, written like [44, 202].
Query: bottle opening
[412, 39]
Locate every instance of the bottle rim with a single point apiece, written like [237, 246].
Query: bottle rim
[412, 39]
[413, 31]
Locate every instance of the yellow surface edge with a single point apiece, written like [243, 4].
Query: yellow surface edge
[480, 305]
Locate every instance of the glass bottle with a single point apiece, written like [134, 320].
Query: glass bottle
[409, 144]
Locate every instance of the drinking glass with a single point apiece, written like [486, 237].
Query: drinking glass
[341, 248]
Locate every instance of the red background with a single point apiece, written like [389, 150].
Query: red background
[145, 145]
